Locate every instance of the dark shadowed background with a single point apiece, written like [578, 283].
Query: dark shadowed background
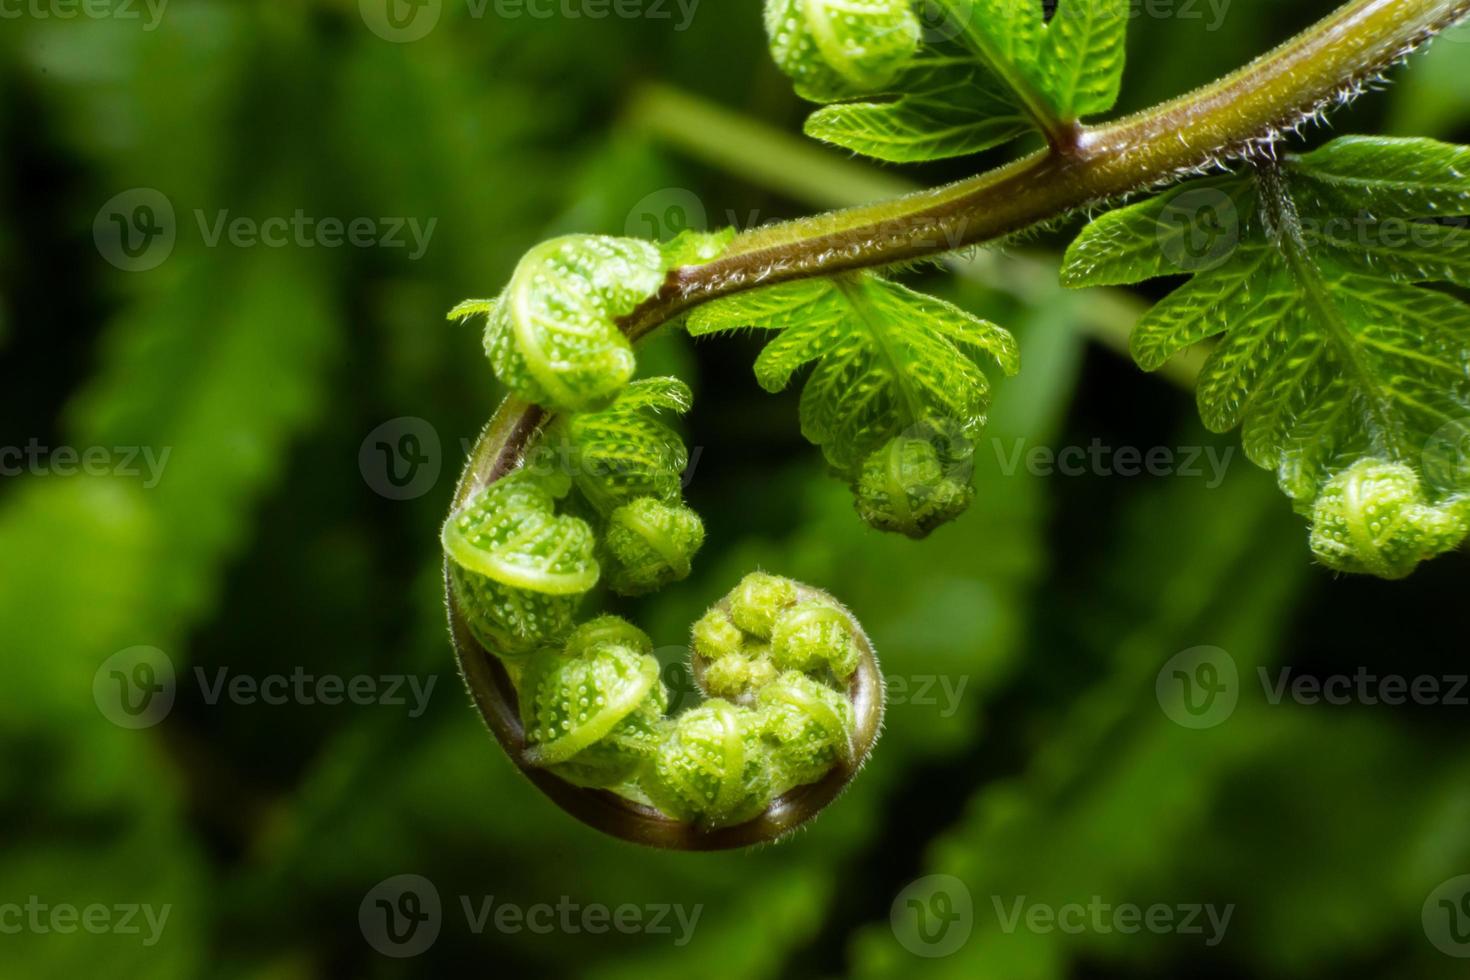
[233, 413]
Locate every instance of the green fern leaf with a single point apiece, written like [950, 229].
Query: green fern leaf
[888, 360]
[1064, 69]
[1332, 356]
[624, 452]
[950, 107]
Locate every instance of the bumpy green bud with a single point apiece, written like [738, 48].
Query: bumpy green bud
[728, 662]
[1373, 519]
[553, 336]
[607, 629]
[917, 482]
[625, 451]
[809, 726]
[517, 569]
[713, 767]
[650, 544]
[813, 634]
[758, 600]
[835, 49]
[736, 676]
[715, 635]
[593, 712]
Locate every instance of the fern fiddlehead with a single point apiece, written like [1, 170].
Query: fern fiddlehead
[553, 505]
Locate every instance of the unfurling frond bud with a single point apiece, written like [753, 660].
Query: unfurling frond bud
[650, 544]
[517, 568]
[917, 482]
[593, 711]
[835, 49]
[1373, 519]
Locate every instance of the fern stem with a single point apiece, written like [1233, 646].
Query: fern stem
[1231, 118]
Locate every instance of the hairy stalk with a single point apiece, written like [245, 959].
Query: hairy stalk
[1219, 122]
[1225, 120]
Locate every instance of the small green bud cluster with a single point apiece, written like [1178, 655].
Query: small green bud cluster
[593, 708]
[520, 569]
[554, 335]
[839, 49]
[628, 468]
[918, 481]
[517, 568]
[1373, 518]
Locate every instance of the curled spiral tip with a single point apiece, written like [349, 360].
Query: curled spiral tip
[917, 482]
[1374, 519]
[836, 49]
[583, 714]
[553, 336]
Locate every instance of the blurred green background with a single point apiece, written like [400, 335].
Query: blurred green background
[1029, 756]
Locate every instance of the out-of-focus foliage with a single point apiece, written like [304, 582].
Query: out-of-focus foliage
[1026, 752]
